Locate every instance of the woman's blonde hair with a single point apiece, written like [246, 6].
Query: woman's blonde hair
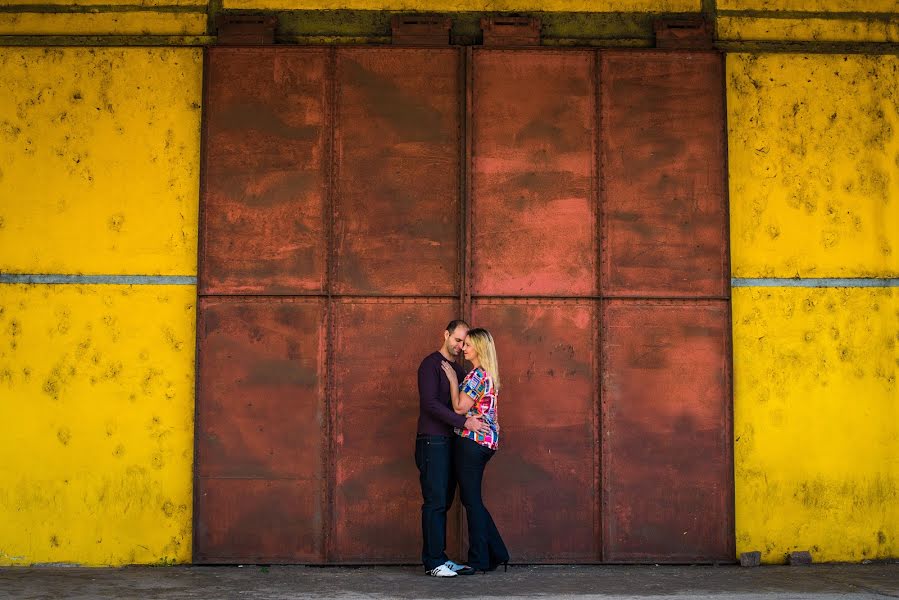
[483, 344]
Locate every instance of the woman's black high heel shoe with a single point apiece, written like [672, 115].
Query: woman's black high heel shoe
[493, 566]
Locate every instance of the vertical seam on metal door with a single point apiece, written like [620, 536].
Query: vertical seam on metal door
[329, 418]
[596, 199]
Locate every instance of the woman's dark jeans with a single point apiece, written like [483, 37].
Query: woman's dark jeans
[485, 545]
[434, 459]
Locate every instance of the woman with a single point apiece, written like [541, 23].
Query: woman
[472, 450]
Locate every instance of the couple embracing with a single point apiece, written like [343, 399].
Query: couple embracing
[458, 433]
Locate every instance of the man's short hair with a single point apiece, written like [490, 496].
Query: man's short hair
[451, 327]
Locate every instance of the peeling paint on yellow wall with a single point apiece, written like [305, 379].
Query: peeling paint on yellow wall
[99, 160]
[113, 23]
[884, 6]
[814, 165]
[816, 422]
[808, 29]
[97, 394]
[474, 5]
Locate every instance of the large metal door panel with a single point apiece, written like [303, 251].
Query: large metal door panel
[259, 417]
[397, 160]
[664, 207]
[377, 500]
[532, 173]
[539, 485]
[573, 202]
[666, 459]
[265, 172]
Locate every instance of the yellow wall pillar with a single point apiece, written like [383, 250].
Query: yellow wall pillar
[99, 161]
[814, 190]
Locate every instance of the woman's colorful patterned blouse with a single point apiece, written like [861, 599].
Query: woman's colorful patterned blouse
[478, 385]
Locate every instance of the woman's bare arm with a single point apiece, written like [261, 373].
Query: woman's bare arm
[461, 404]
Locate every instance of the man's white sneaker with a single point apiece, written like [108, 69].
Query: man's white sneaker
[442, 571]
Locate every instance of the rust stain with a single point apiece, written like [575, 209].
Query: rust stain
[64, 435]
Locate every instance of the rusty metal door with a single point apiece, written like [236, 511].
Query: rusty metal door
[667, 478]
[357, 199]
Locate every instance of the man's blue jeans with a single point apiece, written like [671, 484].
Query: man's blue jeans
[434, 459]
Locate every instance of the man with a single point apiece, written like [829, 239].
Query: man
[433, 450]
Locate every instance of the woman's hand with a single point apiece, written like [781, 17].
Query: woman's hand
[450, 375]
[461, 404]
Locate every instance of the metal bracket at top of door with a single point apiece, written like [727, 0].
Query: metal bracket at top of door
[684, 34]
[511, 31]
[435, 30]
[421, 30]
[246, 30]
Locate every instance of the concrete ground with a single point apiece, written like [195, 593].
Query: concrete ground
[822, 582]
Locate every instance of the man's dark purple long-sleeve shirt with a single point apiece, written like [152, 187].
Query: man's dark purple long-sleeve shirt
[436, 415]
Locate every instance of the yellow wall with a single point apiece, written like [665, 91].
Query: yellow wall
[816, 422]
[808, 29]
[117, 3]
[99, 151]
[814, 191]
[125, 23]
[807, 20]
[814, 155]
[884, 6]
[96, 391]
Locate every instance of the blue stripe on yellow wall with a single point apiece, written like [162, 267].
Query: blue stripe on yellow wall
[814, 282]
[100, 279]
